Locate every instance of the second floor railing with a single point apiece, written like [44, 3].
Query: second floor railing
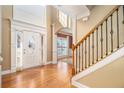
[105, 38]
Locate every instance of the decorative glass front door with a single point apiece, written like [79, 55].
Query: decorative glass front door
[29, 49]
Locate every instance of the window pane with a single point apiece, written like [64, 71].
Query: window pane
[62, 46]
[63, 19]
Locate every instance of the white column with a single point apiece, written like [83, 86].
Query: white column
[74, 30]
[54, 50]
[45, 48]
[13, 49]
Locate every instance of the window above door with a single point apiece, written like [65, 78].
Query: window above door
[64, 19]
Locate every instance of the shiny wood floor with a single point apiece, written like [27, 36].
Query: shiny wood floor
[50, 76]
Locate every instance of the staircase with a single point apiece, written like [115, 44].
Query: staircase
[101, 42]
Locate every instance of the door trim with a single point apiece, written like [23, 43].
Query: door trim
[20, 26]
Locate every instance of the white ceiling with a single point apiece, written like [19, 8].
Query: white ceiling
[75, 11]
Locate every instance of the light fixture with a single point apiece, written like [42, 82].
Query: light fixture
[84, 19]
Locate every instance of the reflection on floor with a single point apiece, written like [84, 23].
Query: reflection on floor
[66, 60]
[49, 76]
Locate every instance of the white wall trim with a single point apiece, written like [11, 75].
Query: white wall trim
[78, 85]
[27, 26]
[114, 56]
[6, 72]
[49, 62]
[12, 71]
[22, 26]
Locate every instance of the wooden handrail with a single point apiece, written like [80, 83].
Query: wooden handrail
[87, 43]
[93, 29]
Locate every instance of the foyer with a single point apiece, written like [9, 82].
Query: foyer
[61, 46]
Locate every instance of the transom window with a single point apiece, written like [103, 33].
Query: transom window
[64, 19]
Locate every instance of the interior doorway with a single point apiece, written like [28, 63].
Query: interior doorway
[64, 48]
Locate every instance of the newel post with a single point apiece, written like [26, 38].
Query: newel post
[73, 56]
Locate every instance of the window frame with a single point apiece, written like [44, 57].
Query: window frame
[61, 47]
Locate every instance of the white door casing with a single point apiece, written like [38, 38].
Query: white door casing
[29, 50]
[20, 26]
[19, 50]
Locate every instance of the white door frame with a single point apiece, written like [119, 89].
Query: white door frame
[22, 26]
[41, 35]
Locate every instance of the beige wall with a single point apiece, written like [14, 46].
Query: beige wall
[54, 14]
[110, 76]
[51, 19]
[6, 52]
[49, 34]
[97, 14]
[32, 14]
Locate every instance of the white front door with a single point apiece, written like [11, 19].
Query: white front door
[32, 52]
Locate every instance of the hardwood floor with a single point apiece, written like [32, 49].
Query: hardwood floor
[49, 76]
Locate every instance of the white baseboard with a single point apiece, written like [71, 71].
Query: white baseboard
[78, 85]
[111, 58]
[50, 62]
[6, 72]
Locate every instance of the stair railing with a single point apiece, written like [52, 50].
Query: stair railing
[105, 38]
